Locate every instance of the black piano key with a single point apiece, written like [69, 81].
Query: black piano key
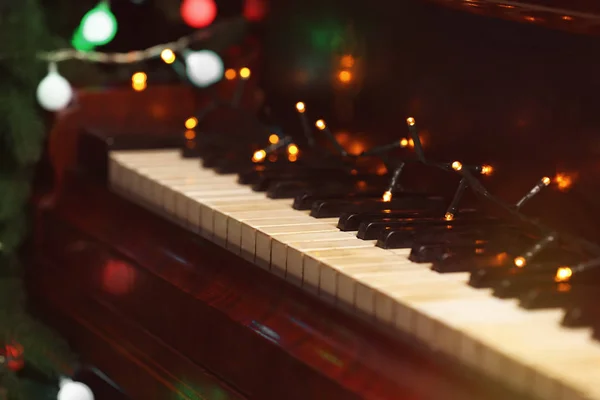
[302, 189]
[373, 226]
[314, 175]
[227, 166]
[335, 208]
[542, 274]
[351, 221]
[359, 189]
[583, 311]
[462, 247]
[464, 259]
[549, 296]
[402, 233]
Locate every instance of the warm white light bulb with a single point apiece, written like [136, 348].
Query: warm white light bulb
[70, 390]
[204, 67]
[54, 92]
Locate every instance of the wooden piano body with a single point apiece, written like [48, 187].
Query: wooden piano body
[168, 314]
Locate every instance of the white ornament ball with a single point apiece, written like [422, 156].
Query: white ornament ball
[54, 92]
[98, 27]
[70, 390]
[204, 67]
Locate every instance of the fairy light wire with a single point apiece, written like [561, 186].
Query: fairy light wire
[137, 55]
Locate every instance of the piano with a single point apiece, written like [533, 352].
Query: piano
[222, 261]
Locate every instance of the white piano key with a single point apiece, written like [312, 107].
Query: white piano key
[526, 349]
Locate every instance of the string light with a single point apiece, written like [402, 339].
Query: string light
[487, 170]
[545, 181]
[139, 55]
[563, 182]
[259, 155]
[563, 274]
[522, 260]
[245, 73]
[191, 122]
[301, 108]
[236, 99]
[345, 76]
[273, 138]
[292, 150]
[138, 81]
[168, 56]
[230, 74]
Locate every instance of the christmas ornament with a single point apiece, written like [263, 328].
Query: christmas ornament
[99, 25]
[12, 357]
[54, 92]
[204, 67]
[198, 13]
[71, 390]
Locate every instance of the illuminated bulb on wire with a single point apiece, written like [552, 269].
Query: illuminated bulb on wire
[563, 274]
[449, 216]
[245, 73]
[99, 25]
[54, 92]
[71, 390]
[198, 13]
[259, 156]
[273, 139]
[204, 67]
[457, 165]
[300, 107]
[387, 196]
[191, 123]
[230, 74]
[345, 76]
[320, 124]
[403, 142]
[410, 121]
[520, 262]
[292, 149]
[487, 170]
[138, 81]
[168, 56]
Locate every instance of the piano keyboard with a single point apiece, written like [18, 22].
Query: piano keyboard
[526, 349]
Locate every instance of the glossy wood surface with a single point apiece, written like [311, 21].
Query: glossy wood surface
[162, 292]
[577, 16]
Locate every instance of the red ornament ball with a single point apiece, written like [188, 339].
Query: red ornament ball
[198, 13]
[13, 356]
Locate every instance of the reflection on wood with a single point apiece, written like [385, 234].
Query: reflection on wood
[179, 294]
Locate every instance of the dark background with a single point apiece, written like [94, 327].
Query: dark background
[483, 90]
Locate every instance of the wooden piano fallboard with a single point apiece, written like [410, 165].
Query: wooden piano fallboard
[200, 320]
